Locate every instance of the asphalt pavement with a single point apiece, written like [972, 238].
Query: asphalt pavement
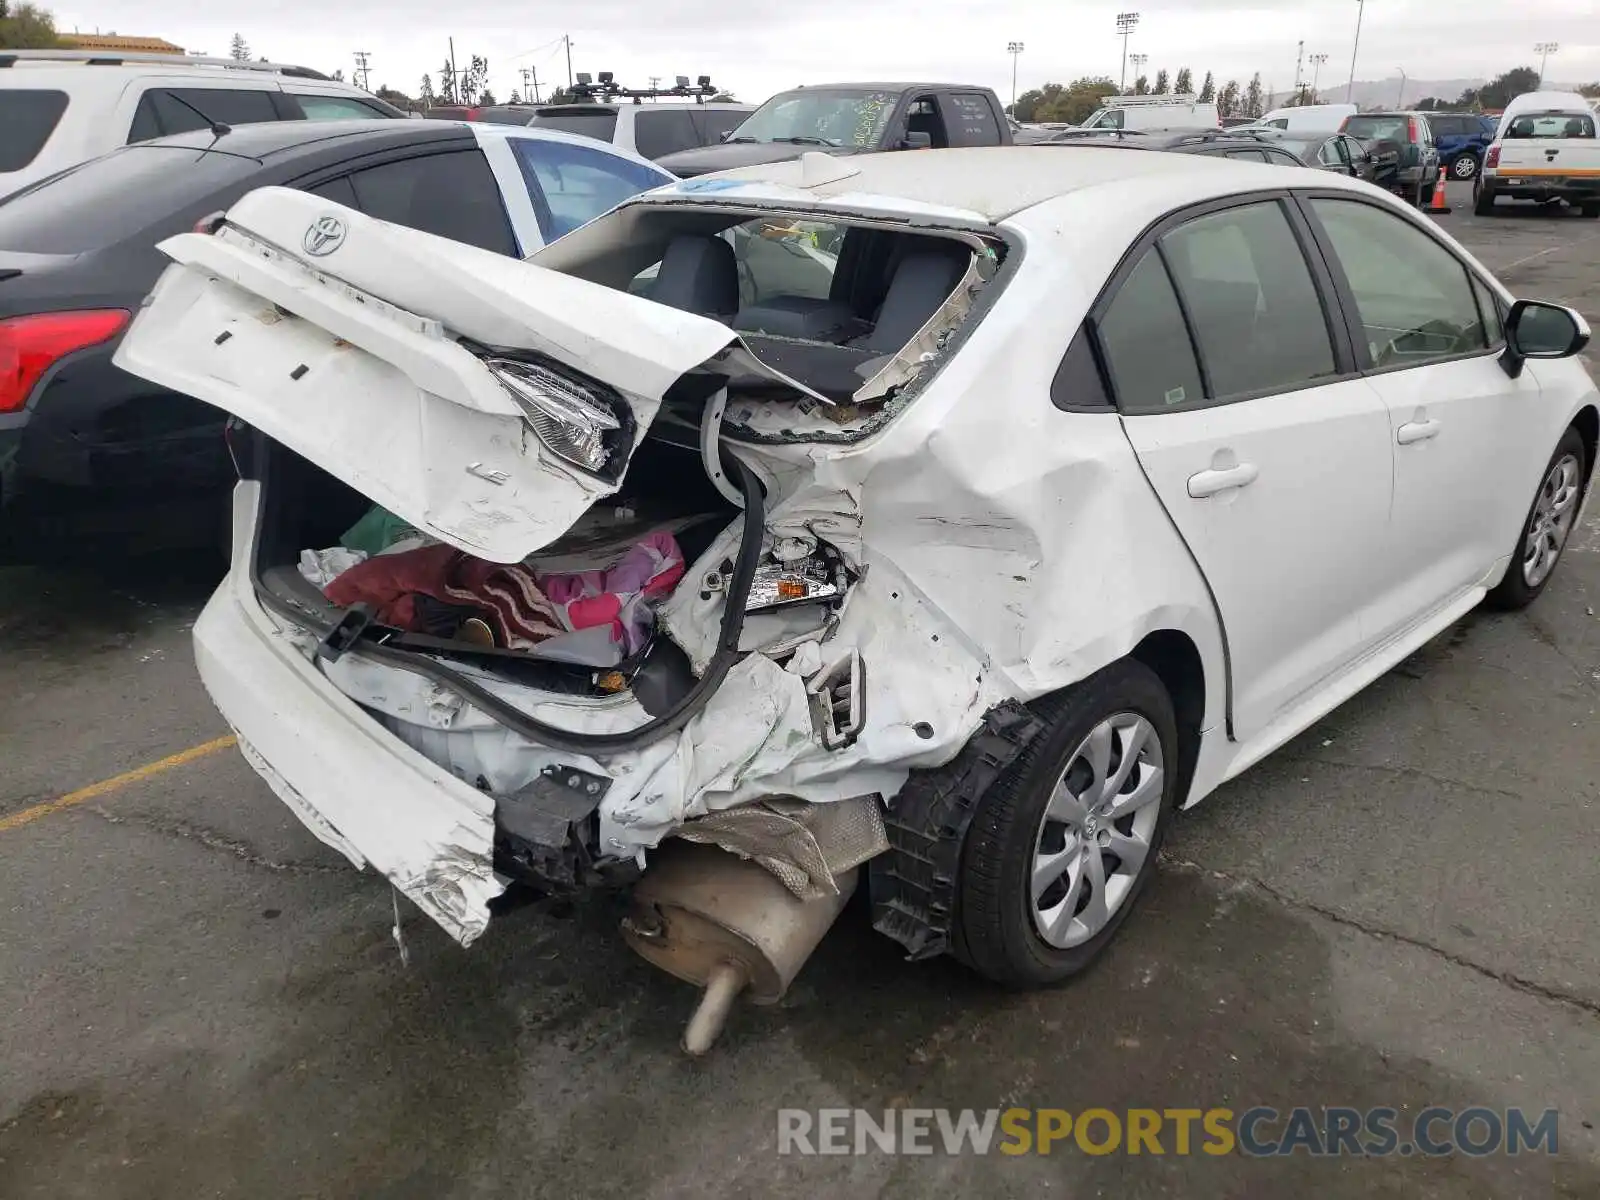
[1400, 909]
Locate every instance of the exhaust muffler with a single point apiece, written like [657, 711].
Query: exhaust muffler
[728, 925]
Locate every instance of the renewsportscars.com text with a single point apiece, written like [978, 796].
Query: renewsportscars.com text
[1256, 1132]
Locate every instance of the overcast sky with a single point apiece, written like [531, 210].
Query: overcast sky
[761, 46]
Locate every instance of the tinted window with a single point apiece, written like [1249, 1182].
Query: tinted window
[1380, 129]
[1251, 155]
[451, 195]
[28, 117]
[600, 124]
[1281, 158]
[1146, 344]
[337, 108]
[665, 131]
[506, 114]
[339, 190]
[714, 122]
[1414, 297]
[572, 185]
[1257, 317]
[108, 199]
[179, 110]
[970, 120]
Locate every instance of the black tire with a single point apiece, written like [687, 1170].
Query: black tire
[994, 925]
[1514, 591]
[1591, 211]
[1425, 194]
[1464, 166]
[1483, 203]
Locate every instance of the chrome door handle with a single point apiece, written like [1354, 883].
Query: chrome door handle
[1209, 483]
[1416, 431]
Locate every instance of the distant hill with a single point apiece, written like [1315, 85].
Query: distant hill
[1386, 92]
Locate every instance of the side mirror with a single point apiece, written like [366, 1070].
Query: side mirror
[1536, 329]
[724, 135]
[916, 141]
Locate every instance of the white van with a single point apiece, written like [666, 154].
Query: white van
[1545, 149]
[1309, 117]
[1154, 112]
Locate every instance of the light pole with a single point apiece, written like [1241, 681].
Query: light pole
[1126, 21]
[1139, 61]
[1400, 100]
[1316, 72]
[1544, 50]
[1361, 8]
[1015, 50]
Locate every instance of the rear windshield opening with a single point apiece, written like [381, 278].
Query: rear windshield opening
[28, 116]
[1379, 129]
[599, 124]
[855, 313]
[1552, 125]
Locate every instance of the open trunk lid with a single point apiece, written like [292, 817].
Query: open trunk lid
[365, 347]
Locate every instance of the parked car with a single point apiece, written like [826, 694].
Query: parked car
[78, 254]
[854, 118]
[654, 130]
[1337, 152]
[61, 107]
[1410, 136]
[1545, 149]
[1304, 117]
[975, 591]
[1462, 139]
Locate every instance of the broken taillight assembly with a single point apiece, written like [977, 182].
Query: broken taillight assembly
[30, 346]
[818, 577]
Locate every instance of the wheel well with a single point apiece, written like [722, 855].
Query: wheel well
[1587, 423]
[1176, 661]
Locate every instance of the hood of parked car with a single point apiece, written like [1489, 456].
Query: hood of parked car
[487, 401]
[688, 163]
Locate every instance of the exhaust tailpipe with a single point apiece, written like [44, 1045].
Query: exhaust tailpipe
[727, 925]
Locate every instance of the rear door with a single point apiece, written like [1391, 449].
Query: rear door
[1427, 333]
[1268, 452]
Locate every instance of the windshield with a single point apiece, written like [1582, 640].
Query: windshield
[1552, 125]
[27, 119]
[107, 199]
[824, 116]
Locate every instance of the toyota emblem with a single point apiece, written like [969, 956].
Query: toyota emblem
[324, 237]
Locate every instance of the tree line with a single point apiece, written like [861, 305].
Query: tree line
[1074, 102]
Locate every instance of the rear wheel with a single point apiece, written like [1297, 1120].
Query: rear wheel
[1063, 843]
[1483, 202]
[1591, 210]
[1464, 166]
[1425, 195]
[1547, 527]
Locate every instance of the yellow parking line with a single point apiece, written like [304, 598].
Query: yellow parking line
[28, 815]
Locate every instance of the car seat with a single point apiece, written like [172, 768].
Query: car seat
[698, 274]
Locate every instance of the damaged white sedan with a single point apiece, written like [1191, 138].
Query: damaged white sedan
[942, 521]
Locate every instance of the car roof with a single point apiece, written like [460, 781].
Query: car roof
[900, 86]
[995, 182]
[268, 138]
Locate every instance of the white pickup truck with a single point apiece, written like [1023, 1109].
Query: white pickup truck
[1544, 150]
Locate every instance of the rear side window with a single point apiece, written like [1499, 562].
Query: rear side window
[1257, 318]
[599, 124]
[28, 116]
[970, 120]
[452, 195]
[337, 108]
[106, 200]
[665, 131]
[572, 185]
[1250, 155]
[1146, 345]
[712, 123]
[164, 111]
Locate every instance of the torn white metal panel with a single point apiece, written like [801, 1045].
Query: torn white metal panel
[355, 788]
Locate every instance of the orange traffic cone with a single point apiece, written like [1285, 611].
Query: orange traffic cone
[1441, 202]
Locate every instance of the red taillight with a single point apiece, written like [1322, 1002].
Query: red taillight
[472, 114]
[30, 346]
[1492, 159]
[1411, 129]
